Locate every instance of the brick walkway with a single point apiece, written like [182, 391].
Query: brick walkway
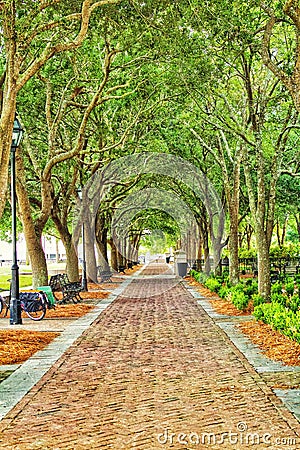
[152, 372]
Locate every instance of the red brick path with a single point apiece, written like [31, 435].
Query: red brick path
[151, 373]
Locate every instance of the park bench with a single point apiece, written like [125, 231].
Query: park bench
[291, 268]
[70, 289]
[104, 273]
[121, 269]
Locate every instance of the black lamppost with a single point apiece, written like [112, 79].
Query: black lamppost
[15, 306]
[84, 286]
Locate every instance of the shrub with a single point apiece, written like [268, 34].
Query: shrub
[223, 291]
[225, 274]
[258, 299]
[259, 312]
[251, 289]
[212, 284]
[276, 288]
[279, 298]
[200, 277]
[193, 273]
[294, 303]
[238, 287]
[290, 288]
[240, 300]
[280, 318]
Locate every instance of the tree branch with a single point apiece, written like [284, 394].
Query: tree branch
[266, 55]
[51, 49]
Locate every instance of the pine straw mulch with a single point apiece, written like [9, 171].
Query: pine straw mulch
[69, 311]
[272, 343]
[226, 307]
[17, 346]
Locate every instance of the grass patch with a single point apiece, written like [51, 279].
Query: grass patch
[25, 280]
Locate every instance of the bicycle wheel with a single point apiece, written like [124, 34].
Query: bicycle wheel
[33, 305]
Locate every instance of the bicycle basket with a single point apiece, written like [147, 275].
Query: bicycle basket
[31, 300]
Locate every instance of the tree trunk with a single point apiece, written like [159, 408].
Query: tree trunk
[57, 251]
[120, 257]
[297, 218]
[113, 255]
[68, 242]
[199, 254]
[35, 249]
[137, 240]
[234, 248]
[217, 244]
[102, 246]
[72, 259]
[38, 261]
[258, 213]
[232, 194]
[204, 240]
[32, 234]
[249, 233]
[8, 107]
[281, 238]
[207, 266]
[263, 261]
[101, 237]
[91, 262]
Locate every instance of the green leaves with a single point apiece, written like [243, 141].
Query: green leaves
[280, 318]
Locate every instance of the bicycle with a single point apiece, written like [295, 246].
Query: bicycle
[34, 304]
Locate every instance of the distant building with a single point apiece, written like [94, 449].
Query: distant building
[53, 248]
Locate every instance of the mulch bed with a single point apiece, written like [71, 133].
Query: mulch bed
[226, 307]
[69, 311]
[17, 346]
[272, 343]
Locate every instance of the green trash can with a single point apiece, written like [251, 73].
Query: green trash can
[49, 293]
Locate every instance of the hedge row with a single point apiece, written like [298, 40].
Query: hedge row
[282, 313]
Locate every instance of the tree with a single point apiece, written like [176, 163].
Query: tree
[281, 46]
[63, 143]
[31, 36]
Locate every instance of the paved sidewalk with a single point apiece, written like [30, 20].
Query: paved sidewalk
[152, 372]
